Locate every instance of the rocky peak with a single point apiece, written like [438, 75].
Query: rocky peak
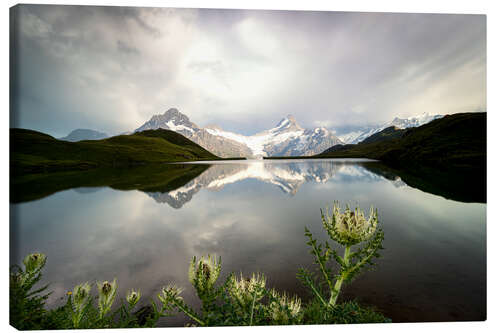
[287, 124]
[177, 117]
[172, 119]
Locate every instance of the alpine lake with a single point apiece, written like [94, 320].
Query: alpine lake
[144, 226]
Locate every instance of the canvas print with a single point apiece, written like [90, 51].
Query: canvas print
[229, 167]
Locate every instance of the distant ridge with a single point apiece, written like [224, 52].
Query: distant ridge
[84, 134]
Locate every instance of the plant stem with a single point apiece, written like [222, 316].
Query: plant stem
[191, 315]
[336, 289]
[252, 309]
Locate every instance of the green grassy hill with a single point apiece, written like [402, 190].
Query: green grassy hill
[457, 140]
[32, 152]
[389, 133]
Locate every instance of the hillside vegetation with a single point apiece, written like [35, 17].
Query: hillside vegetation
[35, 152]
[389, 133]
[457, 141]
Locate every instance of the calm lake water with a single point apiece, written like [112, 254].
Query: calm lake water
[253, 214]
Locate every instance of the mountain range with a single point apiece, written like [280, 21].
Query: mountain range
[401, 123]
[286, 138]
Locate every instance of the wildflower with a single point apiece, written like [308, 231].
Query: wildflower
[69, 293]
[351, 227]
[244, 291]
[133, 297]
[284, 308]
[81, 295]
[16, 278]
[34, 262]
[107, 293]
[204, 273]
[170, 293]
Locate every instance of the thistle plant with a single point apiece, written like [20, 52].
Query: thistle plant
[79, 301]
[170, 293]
[237, 301]
[34, 262]
[26, 305]
[349, 229]
[245, 292]
[133, 297]
[203, 274]
[170, 299]
[107, 293]
[284, 309]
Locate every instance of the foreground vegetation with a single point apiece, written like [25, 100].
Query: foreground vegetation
[35, 152]
[238, 300]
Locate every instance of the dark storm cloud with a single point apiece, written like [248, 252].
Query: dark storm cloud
[112, 68]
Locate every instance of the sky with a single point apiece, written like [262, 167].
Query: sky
[112, 68]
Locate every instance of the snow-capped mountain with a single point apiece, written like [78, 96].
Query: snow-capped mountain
[358, 136]
[287, 138]
[174, 120]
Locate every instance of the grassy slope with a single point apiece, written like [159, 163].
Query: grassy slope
[457, 140]
[33, 151]
[388, 133]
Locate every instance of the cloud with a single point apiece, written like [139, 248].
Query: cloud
[125, 48]
[112, 68]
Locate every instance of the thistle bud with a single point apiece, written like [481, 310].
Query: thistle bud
[34, 262]
[16, 279]
[244, 290]
[107, 293]
[133, 297]
[204, 273]
[170, 293]
[81, 293]
[106, 288]
[284, 308]
[350, 227]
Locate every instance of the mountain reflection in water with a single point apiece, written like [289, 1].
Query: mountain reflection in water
[288, 176]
